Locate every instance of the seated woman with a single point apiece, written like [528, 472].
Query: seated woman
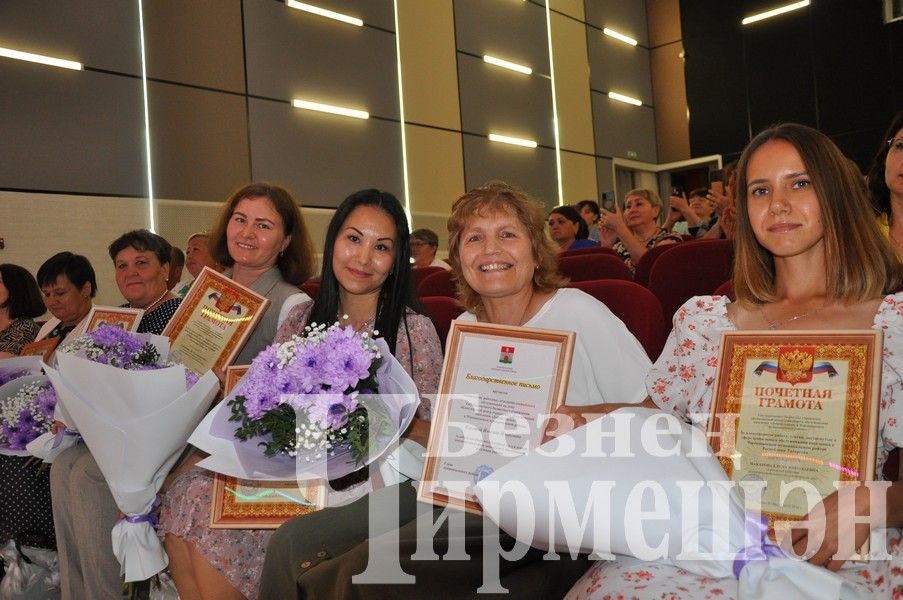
[365, 283]
[20, 304]
[631, 232]
[506, 268]
[84, 511]
[68, 283]
[885, 181]
[809, 256]
[696, 210]
[568, 229]
[589, 210]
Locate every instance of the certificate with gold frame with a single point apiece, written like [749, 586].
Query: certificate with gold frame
[118, 316]
[43, 348]
[245, 504]
[498, 383]
[799, 409]
[214, 321]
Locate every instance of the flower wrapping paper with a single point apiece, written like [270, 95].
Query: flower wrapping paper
[582, 466]
[397, 399]
[135, 423]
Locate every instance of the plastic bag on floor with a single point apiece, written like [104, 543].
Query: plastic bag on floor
[31, 573]
[162, 587]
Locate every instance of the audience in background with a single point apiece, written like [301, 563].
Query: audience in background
[885, 182]
[589, 210]
[20, 304]
[197, 256]
[632, 232]
[176, 264]
[424, 243]
[568, 229]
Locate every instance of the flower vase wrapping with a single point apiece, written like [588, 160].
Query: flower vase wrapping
[135, 421]
[26, 411]
[605, 491]
[19, 366]
[309, 409]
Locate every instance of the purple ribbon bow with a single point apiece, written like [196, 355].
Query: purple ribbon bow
[761, 548]
[58, 436]
[149, 517]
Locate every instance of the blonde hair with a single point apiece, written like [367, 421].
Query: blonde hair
[499, 197]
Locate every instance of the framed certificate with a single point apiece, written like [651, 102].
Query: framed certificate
[497, 384]
[244, 504]
[214, 321]
[127, 318]
[43, 348]
[796, 408]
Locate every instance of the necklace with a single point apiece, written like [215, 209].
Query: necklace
[648, 237]
[772, 325]
[152, 304]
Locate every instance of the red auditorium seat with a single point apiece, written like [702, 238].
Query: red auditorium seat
[644, 266]
[582, 251]
[418, 273]
[437, 284]
[441, 310]
[310, 287]
[588, 267]
[725, 289]
[688, 270]
[636, 306]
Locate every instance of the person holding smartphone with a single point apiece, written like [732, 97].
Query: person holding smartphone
[632, 232]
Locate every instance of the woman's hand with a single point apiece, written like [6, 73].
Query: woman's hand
[721, 200]
[57, 427]
[834, 531]
[728, 222]
[681, 204]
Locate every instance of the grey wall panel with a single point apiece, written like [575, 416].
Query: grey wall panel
[99, 33]
[625, 16]
[478, 24]
[623, 130]
[496, 100]
[379, 13]
[199, 142]
[73, 131]
[532, 169]
[604, 176]
[295, 55]
[207, 31]
[323, 158]
[617, 67]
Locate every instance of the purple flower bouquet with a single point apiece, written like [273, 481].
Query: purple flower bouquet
[134, 411]
[26, 411]
[331, 397]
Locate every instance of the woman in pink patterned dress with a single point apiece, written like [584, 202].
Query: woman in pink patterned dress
[809, 256]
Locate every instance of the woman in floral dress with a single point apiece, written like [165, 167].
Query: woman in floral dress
[809, 256]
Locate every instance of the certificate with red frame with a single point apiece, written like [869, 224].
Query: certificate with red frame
[214, 321]
[797, 410]
[118, 316]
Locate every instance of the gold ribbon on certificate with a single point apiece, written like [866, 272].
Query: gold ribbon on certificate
[497, 384]
[214, 321]
[797, 410]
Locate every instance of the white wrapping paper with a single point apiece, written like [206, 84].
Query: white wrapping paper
[135, 423]
[548, 497]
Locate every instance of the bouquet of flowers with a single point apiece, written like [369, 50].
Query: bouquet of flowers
[134, 411]
[330, 397]
[26, 411]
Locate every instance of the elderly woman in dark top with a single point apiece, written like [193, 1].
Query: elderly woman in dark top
[84, 510]
[20, 303]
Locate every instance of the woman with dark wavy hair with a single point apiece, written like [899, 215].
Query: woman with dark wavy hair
[20, 304]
